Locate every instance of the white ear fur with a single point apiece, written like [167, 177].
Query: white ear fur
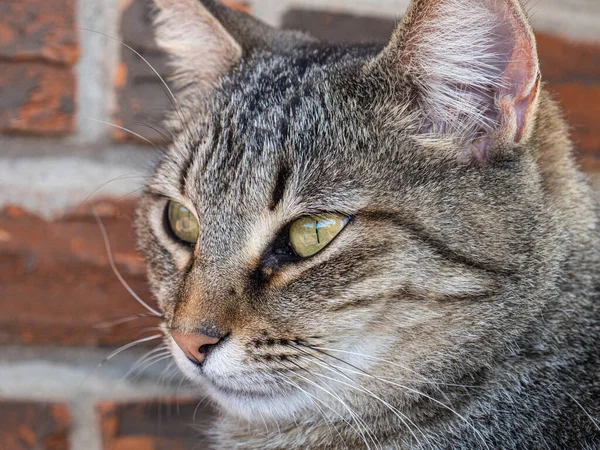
[201, 49]
[474, 64]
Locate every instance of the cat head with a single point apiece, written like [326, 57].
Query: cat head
[331, 216]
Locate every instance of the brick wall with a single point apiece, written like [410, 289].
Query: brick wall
[62, 83]
[38, 49]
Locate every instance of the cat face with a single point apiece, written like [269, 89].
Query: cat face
[434, 262]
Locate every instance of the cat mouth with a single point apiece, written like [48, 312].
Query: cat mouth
[264, 391]
[242, 393]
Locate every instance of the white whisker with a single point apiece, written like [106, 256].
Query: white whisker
[150, 362]
[314, 401]
[166, 86]
[127, 176]
[131, 344]
[585, 411]
[118, 351]
[462, 418]
[112, 323]
[127, 130]
[374, 358]
[403, 417]
[160, 349]
[357, 419]
[116, 271]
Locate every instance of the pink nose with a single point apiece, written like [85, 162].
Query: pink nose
[195, 346]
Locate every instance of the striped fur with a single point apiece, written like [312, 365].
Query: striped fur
[458, 309]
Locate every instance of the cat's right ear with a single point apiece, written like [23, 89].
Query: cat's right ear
[206, 39]
[471, 70]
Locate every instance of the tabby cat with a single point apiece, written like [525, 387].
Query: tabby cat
[357, 247]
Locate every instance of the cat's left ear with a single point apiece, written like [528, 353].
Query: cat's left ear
[206, 39]
[473, 68]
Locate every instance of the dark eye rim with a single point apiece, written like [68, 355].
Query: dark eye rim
[169, 231]
[280, 252]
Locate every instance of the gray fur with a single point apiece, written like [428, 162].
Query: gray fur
[470, 286]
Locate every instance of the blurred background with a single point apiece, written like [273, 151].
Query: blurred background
[80, 125]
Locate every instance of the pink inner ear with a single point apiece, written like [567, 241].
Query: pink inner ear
[521, 78]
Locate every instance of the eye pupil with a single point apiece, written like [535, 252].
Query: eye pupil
[310, 235]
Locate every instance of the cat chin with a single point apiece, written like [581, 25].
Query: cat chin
[257, 407]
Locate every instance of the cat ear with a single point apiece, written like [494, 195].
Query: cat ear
[200, 47]
[206, 39]
[474, 68]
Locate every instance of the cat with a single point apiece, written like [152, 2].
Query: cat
[357, 247]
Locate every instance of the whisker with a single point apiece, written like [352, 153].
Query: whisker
[116, 322]
[585, 411]
[314, 400]
[163, 84]
[150, 362]
[357, 419]
[142, 359]
[127, 130]
[373, 358]
[131, 344]
[157, 131]
[116, 352]
[135, 191]
[361, 425]
[174, 374]
[166, 86]
[403, 417]
[462, 418]
[162, 353]
[200, 403]
[162, 379]
[116, 271]
[424, 378]
[127, 176]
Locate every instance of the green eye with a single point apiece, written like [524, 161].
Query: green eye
[310, 235]
[182, 222]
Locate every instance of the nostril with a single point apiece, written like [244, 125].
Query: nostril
[208, 347]
[204, 349]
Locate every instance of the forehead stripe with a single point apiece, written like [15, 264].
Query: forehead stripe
[280, 186]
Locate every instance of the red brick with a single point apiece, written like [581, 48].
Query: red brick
[38, 48]
[565, 61]
[36, 98]
[56, 284]
[34, 426]
[160, 425]
[38, 30]
[240, 6]
[572, 70]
